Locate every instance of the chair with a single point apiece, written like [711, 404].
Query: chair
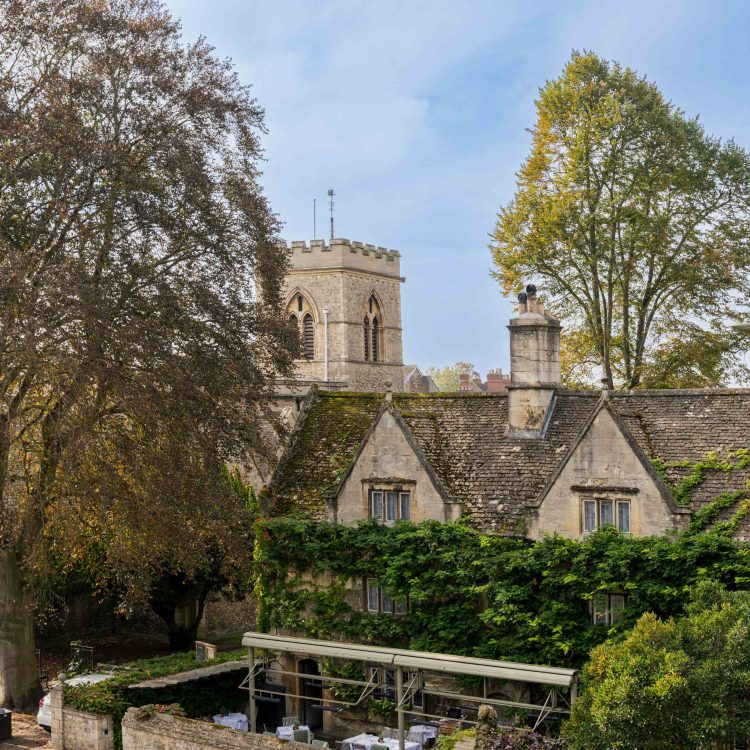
[302, 735]
[378, 746]
[321, 744]
[288, 721]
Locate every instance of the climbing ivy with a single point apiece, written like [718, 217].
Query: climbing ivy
[712, 461]
[480, 594]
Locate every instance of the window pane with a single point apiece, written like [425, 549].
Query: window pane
[401, 607]
[623, 517]
[391, 514]
[373, 590]
[377, 505]
[309, 336]
[589, 515]
[606, 517]
[600, 609]
[387, 603]
[617, 605]
[405, 506]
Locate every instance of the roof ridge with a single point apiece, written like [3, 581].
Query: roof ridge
[682, 392]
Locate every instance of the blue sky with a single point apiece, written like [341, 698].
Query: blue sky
[416, 113]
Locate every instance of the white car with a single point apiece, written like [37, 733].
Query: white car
[44, 714]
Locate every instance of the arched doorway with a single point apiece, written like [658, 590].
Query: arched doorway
[312, 692]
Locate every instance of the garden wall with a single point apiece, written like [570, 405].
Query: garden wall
[165, 732]
[79, 730]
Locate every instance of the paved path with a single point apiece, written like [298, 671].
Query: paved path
[26, 734]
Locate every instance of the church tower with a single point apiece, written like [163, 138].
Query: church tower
[345, 297]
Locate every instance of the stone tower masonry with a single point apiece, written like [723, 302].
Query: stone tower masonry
[534, 366]
[357, 284]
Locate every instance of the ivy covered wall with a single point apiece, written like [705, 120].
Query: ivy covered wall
[478, 594]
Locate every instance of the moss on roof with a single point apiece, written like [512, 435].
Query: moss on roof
[323, 447]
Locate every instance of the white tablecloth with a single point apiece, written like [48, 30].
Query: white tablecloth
[287, 733]
[235, 721]
[421, 733]
[368, 740]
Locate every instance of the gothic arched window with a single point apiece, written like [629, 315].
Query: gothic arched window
[373, 331]
[299, 310]
[308, 336]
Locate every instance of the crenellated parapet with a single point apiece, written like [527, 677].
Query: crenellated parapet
[301, 246]
[343, 253]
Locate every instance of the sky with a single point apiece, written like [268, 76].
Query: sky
[417, 115]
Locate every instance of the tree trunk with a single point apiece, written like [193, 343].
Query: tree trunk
[19, 681]
[182, 619]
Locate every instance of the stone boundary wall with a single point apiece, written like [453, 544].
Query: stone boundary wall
[165, 732]
[78, 730]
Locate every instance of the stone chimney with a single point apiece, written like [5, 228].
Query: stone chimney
[534, 366]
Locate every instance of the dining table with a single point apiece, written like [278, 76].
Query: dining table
[422, 733]
[366, 741]
[287, 733]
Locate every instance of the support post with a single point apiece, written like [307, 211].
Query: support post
[325, 344]
[399, 704]
[251, 691]
[573, 692]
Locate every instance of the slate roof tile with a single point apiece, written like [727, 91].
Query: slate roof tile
[463, 436]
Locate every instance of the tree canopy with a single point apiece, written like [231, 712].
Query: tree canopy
[635, 223]
[137, 354]
[446, 378]
[682, 683]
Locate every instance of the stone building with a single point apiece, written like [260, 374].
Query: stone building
[346, 299]
[533, 460]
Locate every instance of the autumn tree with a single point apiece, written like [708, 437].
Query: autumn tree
[681, 683]
[635, 223]
[136, 354]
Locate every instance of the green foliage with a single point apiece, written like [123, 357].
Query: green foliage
[679, 683]
[631, 218]
[446, 378]
[243, 490]
[485, 595]
[349, 670]
[449, 741]
[683, 489]
[518, 738]
[113, 696]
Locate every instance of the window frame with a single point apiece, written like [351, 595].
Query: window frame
[607, 607]
[613, 504]
[386, 603]
[402, 500]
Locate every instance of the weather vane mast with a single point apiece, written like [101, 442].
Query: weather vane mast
[330, 203]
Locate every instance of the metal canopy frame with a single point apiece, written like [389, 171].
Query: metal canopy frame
[416, 662]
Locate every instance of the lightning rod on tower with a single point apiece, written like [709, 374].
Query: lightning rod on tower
[330, 199]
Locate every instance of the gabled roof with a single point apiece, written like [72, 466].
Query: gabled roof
[463, 438]
[323, 445]
[605, 405]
